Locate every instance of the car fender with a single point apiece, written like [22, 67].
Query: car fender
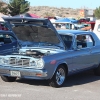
[57, 65]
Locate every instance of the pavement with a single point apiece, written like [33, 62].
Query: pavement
[81, 86]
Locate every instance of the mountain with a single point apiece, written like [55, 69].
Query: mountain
[45, 11]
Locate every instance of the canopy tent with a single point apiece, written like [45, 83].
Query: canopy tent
[64, 20]
[52, 20]
[28, 15]
[73, 20]
[64, 23]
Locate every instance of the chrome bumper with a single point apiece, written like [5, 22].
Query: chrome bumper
[24, 73]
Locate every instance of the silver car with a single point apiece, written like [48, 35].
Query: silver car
[46, 53]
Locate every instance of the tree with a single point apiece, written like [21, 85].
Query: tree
[16, 7]
[97, 12]
[3, 7]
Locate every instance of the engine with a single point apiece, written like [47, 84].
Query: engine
[35, 53]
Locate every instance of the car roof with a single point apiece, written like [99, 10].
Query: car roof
[73, 32]
[77, 32]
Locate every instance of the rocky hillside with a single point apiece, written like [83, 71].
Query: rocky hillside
[45, 11]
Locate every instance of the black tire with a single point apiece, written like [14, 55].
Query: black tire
[97, 71]
[59, 77]
[8, 79]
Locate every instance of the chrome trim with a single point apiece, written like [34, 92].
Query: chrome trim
[23, 62]
[25, 73]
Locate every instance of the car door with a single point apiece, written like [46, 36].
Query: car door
[82, 55]
[8, 44]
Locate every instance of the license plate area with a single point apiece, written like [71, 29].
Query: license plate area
[15, 73]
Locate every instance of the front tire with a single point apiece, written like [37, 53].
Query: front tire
[59, 77]
[8, 79]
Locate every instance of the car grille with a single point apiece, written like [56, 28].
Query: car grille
[19, 62]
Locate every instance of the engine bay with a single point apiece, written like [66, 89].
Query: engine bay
[35, 53]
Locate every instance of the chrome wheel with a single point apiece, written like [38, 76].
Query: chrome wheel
[60, 76]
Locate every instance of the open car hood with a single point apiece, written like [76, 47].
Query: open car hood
[37, 30]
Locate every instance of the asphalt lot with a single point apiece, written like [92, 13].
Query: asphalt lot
[82, 86]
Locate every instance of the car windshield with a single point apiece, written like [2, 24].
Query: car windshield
[67, 40]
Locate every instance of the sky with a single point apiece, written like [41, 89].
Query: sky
[92, 4]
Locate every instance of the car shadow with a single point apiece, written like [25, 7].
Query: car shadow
[33, 82]
[81, 78]
[76, 79]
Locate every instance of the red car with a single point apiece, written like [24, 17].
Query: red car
[84, 20]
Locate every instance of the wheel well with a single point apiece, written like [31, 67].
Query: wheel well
[65, 66]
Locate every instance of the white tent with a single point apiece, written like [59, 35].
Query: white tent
[2, 15]
[52, 20]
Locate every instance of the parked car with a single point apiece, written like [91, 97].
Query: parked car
[49, 54]
[83, 20]
[8, 42]
[3, 26]
[65, 25]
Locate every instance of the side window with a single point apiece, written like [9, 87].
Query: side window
[84, 41]
[89, 41]
[6, 39]
[1, 39]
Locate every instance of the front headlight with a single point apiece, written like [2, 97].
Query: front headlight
[1, 61]
[38, 64]
[4, 61]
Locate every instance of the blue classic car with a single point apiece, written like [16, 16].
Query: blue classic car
[8, 42]
[46, 53]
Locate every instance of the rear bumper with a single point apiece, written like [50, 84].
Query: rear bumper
[24, 73]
